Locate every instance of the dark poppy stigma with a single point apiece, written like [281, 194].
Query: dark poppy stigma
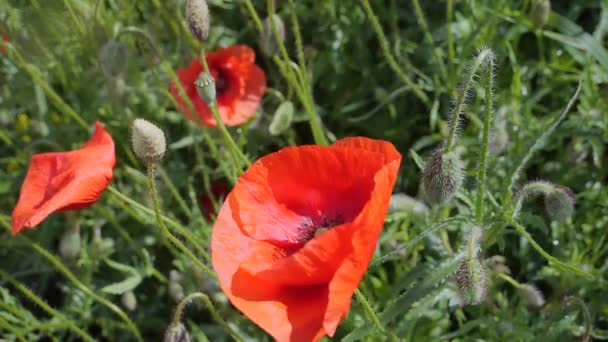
[312, 229]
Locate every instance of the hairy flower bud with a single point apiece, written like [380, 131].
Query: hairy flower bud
[539, 12]
[268, 40]
[113, 58]
[205, 86]
[408, 204]
[442, 177]
[472, 281]
[177, 333]
[559, 203]
[148, 141]
[532, 295]
[129, 301]
[70, 243]
[197, 14]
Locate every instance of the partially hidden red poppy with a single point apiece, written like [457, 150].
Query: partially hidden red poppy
[60, 181]
[239, 83]
[5, 39]
[295, 235]
[219, 190]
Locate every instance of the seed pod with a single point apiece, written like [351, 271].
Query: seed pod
[442, 177]
[177, 333]
[472, 281]
[205, 86]
[70, 243]
[268, 40]
[539, 13]
[282, 118]
[559, 203]
[129, 301]
[113, 58]
[532, 295]
[197, 14]
[148, 141]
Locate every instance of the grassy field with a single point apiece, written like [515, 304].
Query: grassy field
[478, 212]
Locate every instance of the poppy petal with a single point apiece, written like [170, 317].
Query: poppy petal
[65, 180]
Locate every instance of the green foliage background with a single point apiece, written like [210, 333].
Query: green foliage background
[356, 93]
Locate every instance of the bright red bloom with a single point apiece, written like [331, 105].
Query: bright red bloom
[59, 181]
[239, 83]
[4, 49]
[296, 234]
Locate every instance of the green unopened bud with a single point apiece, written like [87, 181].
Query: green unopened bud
[498, 263]
[442, 177]
[408, 204]
[148, 141]
[129, 301]
[205, 86]
[70, 243]
[539, 13]
[268, 40]
[177, 333]
[282, 118]
[532, 295]
[472, 281]
[113, 58]
[559, 203]
[197, 14]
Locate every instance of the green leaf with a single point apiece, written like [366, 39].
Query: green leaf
[124, 286]
[281, 121]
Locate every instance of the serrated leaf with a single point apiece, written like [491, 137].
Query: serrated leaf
[124, 286]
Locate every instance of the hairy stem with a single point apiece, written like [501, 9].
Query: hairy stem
[427, 34]
[372, 316]
[488, 124]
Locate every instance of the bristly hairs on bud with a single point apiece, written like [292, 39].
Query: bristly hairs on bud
[559, 200]
[532, 295]
[471, 276]
[113, 58]
[205, 86]
[539, 13]
[199, 21]
[177, 332]
[442, 177]
[148, 141]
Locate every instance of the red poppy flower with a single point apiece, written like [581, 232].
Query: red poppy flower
[239, 84]
[6, 39]
[219, 190]
[296, 234]
[59, 181]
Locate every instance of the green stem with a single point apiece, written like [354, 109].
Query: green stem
[372, 316]
[488, 124]
[461, 96]
[177, 316]
[176, 195]
[449, 18]
[429, 38]
[73, 15]
[551, 259]
[47, 308]
[164, 230]
[528, 190]
[509, 280]
[81, 286]
[11, 328]
[389, 56]
[254, 15]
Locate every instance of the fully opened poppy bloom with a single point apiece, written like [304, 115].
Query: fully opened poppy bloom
[296, 234]
[59, 181]
[239, 82]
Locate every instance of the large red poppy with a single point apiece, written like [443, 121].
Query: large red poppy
[239, 82]
[296, 234]
[59, 181]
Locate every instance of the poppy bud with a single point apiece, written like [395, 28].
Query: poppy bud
[148, 141]
[442, 177]
[539, 13]
[129, 301]
[282, 118]
[532, 295]
[472, 281]
[113, 58]
[177, 333]
[197, 14]
[267, 38]
[69, 245]
[559, 203]
[205, 86]
[500, 140]
[405, 203]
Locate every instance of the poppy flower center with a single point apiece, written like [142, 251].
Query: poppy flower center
[222, 82]
[313, 229]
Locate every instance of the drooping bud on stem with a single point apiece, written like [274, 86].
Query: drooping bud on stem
[197, 14]
[267, 36]
[539, 13]
[148, 141]
[70, 243]
[113, 58]
[532, 295]
[471, 276]
[205, 86]
[442, 177]
[282, 118]
[177, 332]
[129, 301]
[559, 203]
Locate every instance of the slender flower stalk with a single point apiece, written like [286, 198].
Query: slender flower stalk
[372, 316]
[429, 38]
